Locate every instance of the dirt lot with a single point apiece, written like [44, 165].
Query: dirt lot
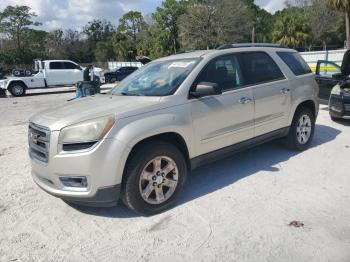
[237, 209]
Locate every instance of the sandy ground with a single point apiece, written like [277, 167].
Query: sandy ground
[237, 209]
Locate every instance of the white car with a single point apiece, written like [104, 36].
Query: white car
[174, 114]
[49, 73]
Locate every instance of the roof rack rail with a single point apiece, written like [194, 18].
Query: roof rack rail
[227, 46]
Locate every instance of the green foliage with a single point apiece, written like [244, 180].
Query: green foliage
[15, 22]
[208, 23]
[167, 18]
[291, 28]
[174, 25]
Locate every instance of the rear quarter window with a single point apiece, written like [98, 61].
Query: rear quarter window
[295, 63]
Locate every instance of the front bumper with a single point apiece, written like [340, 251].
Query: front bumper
[102, 166]
[339, 105]
[104, 197]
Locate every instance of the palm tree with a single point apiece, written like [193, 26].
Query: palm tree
[343, 5]
[291, 29]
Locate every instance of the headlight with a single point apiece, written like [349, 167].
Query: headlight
[3, 83]
[88, 131]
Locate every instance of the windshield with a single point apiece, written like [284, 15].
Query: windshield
[156, 79]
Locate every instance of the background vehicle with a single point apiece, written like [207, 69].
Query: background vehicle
[339, 101]
[119, 74]
[328, 74]
[171, 116]
[47, 74]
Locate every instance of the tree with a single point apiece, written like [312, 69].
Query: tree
[208, 23]
[167, 18]
[344, 6]
[15, 21]
[291, 28]
[104, 51]
[98, 31]
[325, 23]
[54, 44]
[131, 24]
[125, 39]
[262, 23]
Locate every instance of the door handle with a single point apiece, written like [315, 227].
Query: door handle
[285, 90]
[245, 100]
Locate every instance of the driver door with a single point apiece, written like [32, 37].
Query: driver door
[223, 120]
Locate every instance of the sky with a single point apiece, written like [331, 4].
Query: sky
[75, 14]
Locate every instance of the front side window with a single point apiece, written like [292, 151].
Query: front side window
[295, 62]
[56, 65]
[224, 71]
[259, 67]
[156, 79]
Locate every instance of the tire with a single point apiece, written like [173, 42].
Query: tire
[334, 118]
[301, 131]
[154, 180]
[28, 72]
[16, 72]
[17, 89]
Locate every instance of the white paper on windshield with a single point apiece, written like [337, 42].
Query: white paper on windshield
[181, 64]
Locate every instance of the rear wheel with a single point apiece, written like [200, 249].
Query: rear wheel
[302, 130]
[154, 178]
[17, 89]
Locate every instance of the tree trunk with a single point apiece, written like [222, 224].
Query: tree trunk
[347, 29]
[253, 34]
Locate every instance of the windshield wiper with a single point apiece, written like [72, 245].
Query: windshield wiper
[129, 94]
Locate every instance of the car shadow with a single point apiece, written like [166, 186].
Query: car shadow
[222, 173]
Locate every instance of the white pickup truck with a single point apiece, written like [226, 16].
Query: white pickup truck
[48, 73]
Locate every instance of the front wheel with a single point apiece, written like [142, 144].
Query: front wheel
[154, 178]
[302, 130]
[17, 89]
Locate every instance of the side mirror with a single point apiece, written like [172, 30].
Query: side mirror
[206, 89]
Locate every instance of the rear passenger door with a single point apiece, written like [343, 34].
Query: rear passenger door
[222, 120]
[271, 91]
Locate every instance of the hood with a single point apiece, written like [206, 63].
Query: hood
[91, 107]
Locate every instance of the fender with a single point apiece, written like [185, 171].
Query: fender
[133, 132]
[299, 102]
[15, 80]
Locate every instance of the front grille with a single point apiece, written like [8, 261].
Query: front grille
[39, 142]
[336, 103]
[347, 108]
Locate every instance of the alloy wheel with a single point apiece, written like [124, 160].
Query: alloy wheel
[158, 180]
[304, 129]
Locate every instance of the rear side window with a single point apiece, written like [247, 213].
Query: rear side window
[295, 63]
[68, 65]
[55, 65]
[259, 67]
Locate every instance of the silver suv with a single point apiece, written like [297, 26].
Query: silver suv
[139, 142]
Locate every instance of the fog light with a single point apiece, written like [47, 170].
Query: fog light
[77, 182]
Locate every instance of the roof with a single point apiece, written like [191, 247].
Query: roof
[227, 46]
[227, 49]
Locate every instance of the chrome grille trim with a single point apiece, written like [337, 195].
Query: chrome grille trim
[39, 142]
